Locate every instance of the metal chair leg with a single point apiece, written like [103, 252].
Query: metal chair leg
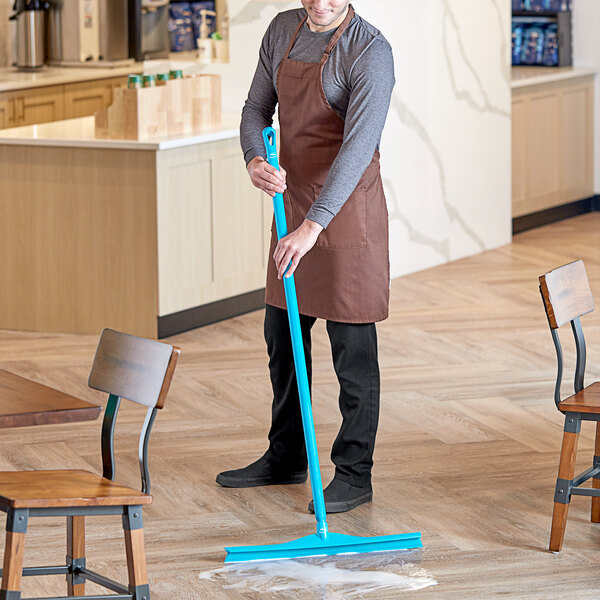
[133, 528]
[596, 480]
[566, 468]
[75, 554]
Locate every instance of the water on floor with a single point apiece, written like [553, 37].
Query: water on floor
[328, 577]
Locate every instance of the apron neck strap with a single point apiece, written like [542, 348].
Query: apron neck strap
[338, 34]
[334, 40]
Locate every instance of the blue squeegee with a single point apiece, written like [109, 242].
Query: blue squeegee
[323, 542]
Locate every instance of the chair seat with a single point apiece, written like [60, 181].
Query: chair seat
[45, 489]
[585, 401]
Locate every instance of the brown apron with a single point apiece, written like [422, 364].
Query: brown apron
[345, 276]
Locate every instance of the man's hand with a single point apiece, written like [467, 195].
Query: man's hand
[265, 177]
[294, 246]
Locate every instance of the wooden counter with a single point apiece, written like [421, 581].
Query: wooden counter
[129, 235]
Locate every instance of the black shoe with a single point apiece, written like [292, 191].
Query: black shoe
[265, 471]
[341, 496]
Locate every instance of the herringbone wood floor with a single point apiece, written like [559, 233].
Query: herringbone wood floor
[467, 449]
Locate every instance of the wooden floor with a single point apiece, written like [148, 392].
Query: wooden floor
[467, 449]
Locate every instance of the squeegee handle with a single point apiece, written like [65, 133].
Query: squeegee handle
[298, 350]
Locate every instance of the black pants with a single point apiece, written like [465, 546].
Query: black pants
[354, 351]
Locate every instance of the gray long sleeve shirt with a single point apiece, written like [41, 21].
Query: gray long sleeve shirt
[358, 80]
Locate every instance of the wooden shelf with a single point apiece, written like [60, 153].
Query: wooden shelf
[534, 13]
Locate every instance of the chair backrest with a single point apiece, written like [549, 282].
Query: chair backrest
[566, 293]
[133, 368]
[567, 297]
[137, 369]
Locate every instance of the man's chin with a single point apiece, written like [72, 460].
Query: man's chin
[323, 22]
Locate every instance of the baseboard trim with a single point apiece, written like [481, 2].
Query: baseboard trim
[210, 313]
[556, 213]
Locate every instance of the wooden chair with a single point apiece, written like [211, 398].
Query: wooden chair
[567, 297]
[125, 366]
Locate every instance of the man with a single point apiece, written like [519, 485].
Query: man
[332, 75]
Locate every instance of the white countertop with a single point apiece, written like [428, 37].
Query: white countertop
[525, 76]
[79, 133]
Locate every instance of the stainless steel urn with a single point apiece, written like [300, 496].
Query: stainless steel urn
[29, 16]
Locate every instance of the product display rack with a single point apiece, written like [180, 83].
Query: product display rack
[220, 46]
[563, 21]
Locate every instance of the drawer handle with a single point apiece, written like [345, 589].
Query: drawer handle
[21, 115]
[11, 110]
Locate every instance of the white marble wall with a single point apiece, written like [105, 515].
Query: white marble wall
[446, 152]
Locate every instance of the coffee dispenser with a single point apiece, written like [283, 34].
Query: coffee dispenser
[29, 17]
[148, 29]
[73, 31]
[114, 36]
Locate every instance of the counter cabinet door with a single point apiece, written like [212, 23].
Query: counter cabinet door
[552, 145]
[213, 226]
[111, 85]
[8, 110]
[85, 99]
[576, 141]
[40, 105]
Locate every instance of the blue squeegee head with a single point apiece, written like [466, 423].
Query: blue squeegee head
[334, 543]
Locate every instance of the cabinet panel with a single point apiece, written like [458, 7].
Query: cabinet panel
[40, 105]
[267, 225]
[552, 145]
[84, 99]
[576, 144]
[543, 140]
[185, 259]
[7, 110]
[237, 219]
[187, 221]
[111, 84]
[212, 226]
[4, 112]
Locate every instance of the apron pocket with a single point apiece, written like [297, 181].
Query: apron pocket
[348, 229]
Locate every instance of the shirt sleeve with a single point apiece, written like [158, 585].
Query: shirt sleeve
[371, 84]
[259, 107]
